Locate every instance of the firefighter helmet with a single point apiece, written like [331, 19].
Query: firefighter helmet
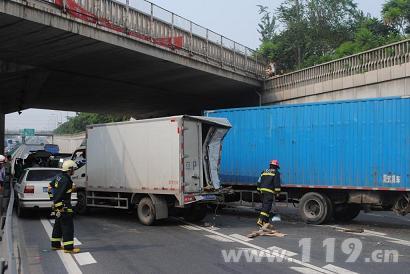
[274, 162]
[2, 159]
[69, 164]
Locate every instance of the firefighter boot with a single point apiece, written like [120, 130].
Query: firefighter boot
[72, 251]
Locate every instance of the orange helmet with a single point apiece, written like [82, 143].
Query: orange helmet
[274, 162]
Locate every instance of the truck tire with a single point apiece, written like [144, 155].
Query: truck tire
[346, 212]
[315, 208]
[146, 211]
[81, 207]
[195, 213]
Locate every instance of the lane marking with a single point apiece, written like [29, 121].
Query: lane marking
[339, 270]
[375, 234]
[219, 238]
[189, 227]
[311, 267]
[68, 261]
[77, 242]
[401, 242]
[241, 237]
[304, 270]
[84, 258]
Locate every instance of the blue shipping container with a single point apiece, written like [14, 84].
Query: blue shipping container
[343, 144]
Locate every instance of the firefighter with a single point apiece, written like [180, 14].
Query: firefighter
[59, 191]
[268, 186]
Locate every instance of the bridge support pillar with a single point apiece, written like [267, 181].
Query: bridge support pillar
[2, 126]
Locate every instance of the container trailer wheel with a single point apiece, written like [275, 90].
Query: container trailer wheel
[315, 208]
[195, 213]
[346, 212]
[146, 211]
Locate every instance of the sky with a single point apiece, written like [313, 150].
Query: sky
[234, 19]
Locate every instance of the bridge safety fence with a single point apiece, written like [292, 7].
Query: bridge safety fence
[146, 21]
[371, 60]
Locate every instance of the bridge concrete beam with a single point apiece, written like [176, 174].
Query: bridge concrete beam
[47, 15]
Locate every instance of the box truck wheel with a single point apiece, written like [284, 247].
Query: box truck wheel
[315, 208]
[146, 211]
[81, 207]
[346, 212]
[195, 213]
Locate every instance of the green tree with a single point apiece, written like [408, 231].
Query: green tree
[82, 120]
[396, 13]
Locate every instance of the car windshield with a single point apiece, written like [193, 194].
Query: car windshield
[42, 175]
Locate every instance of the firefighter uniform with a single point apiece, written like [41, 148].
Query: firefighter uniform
[59, 191]
[268, 185]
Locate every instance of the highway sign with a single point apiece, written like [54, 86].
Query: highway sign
[28, 132]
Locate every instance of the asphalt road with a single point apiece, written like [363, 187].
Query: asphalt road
[113, 241]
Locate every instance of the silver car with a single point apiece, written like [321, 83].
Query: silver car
[31, 189]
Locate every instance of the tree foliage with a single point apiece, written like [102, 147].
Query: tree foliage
[310, 32]
[81, 120]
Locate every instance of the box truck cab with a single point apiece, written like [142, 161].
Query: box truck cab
[153, 165]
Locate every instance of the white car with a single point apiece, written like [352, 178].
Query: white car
[31, 189]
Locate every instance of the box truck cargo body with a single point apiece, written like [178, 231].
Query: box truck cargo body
[350, 152]
[171, 161]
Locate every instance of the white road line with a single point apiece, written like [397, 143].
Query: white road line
[376, 234]
[401, 242]
[219, 238]
[77, 242]
[241, 237]
[283, 251]
[189, 227]
[84, 258]
[337, 269]
[304, 270]
[67, 259]
[266, 251]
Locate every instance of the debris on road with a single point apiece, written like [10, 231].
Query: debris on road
[266, 230]
[350, 230]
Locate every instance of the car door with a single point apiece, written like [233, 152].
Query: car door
[19, 187]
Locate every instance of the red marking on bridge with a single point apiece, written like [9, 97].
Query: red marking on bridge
[75, 10]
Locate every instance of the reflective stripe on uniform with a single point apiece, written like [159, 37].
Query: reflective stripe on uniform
[68, 243]
[50, 195]
[58, 204]
[264, 214]
[69, 210]
[56, 239]
[268, 174]
[266, 189]
[69, 191]
[277, 189]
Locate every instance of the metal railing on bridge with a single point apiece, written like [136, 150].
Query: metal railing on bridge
[144, 20]
[378, 58]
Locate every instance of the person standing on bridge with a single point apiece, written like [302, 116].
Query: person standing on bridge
[268, 185]
[59, 191]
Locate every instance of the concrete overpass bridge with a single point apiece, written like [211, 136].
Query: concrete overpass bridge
[105, 56]
[380, 72]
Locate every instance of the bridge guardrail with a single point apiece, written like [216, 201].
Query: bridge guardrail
[374, 59]
[146, 21]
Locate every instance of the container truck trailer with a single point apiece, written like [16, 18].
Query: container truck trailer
[154, 165]
[336, 158]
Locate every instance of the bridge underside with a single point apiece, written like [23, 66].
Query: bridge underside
[43, 66]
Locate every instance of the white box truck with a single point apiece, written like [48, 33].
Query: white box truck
[152, 165]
